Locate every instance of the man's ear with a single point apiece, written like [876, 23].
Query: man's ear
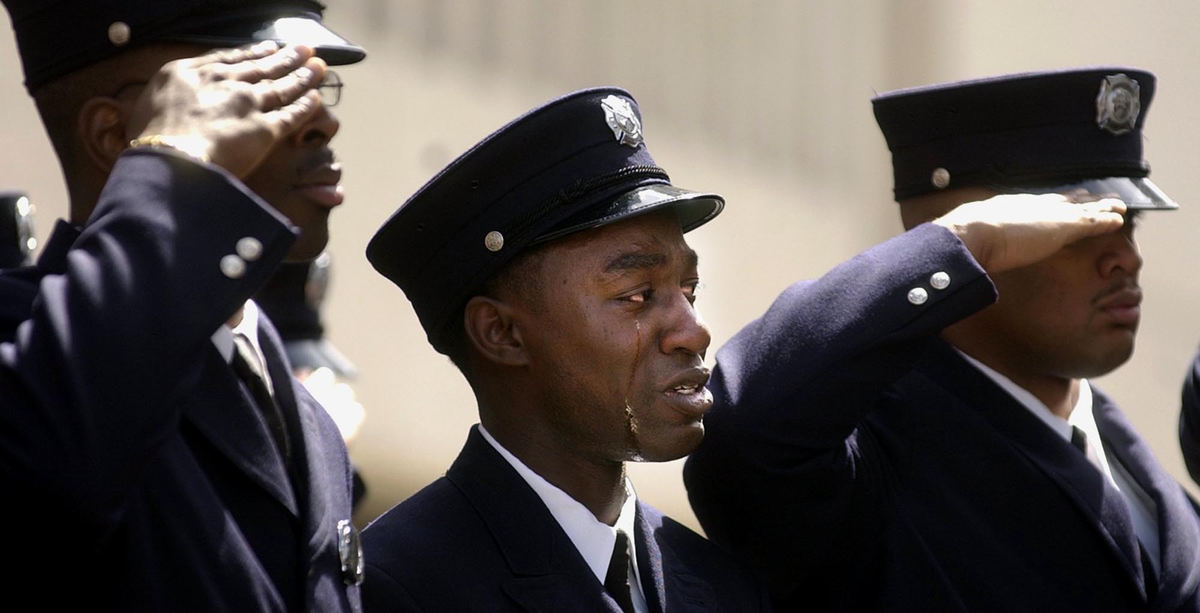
[101, 129]
[493, 331]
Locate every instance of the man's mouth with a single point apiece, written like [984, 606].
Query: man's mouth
[687, 393]
[322, 184]
[1122, 304]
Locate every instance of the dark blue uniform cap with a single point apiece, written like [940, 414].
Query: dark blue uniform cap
[575, 163]
[56, 37]
[1032, 132]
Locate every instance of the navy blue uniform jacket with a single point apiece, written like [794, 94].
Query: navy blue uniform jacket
[862, 464]
[480, 539]
[136, 475]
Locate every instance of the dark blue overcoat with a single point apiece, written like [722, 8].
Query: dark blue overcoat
[480, 539]
[136, 474]
[863, 465]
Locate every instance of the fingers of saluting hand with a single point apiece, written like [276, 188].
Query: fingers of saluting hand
[282, 74]
[281, 81]
[223, 62]
[1009, 231]
[1082, 218]
[287, 118]
[286, 89]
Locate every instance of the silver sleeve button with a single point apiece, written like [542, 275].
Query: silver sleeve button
[940, 280]
[249, 248]
[233, 266]
[918, 295]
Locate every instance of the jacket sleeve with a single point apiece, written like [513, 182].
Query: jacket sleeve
[780, 477]
[1189, 420]
[88, 382]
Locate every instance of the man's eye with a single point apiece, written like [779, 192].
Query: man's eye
[692, 290]
[641, 297]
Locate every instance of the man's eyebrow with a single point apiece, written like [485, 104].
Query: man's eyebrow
[643, 261]
[635, 261]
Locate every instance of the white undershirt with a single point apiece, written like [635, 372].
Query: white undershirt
[1142, 509]
[593, 538]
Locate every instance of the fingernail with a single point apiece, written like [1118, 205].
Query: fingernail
[303, 73]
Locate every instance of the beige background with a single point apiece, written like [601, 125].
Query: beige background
[764, 101]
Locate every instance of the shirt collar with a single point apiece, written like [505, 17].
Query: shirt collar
[592, 538]
[1081, 414]
[223, 337]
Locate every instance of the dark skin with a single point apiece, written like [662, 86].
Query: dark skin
[1066, 311]
[252, 111]
[595, 360]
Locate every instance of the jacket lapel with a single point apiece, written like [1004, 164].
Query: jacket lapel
[1098, 500]
[548, 572]
[666, 580]
[1178, 524]
[226, 417]
[311, 478]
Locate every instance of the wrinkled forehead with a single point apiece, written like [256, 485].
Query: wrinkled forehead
[655, 231]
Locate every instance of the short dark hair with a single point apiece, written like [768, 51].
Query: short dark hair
[521, 276]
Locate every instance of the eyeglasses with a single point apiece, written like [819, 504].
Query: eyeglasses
[330, 88]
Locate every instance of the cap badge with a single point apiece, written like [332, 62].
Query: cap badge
[624, 122]
[350, 553]
[1118, 104]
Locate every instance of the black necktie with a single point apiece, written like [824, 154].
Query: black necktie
[616, 582]
[1079, 439]
[246, 365]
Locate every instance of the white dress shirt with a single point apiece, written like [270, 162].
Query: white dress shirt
[223, 338]
[1142, 509]
[593, 538]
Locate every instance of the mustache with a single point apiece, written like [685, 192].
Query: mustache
[317, 160]
[1127, 285]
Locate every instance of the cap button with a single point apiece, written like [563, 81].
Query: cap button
[940, 178]
[494, 241]
[118, 33]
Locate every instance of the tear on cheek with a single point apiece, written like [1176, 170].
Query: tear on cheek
[631, 424]
[631, 427]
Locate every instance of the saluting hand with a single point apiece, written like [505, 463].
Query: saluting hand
[230, 106]
[1014, 230]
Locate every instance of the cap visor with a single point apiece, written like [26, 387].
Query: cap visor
[301, 29]
[1136, 193]
[694, 209]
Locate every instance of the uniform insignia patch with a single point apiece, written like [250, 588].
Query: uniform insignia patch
[1118, 104]
[350, 552]
[623, 121]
